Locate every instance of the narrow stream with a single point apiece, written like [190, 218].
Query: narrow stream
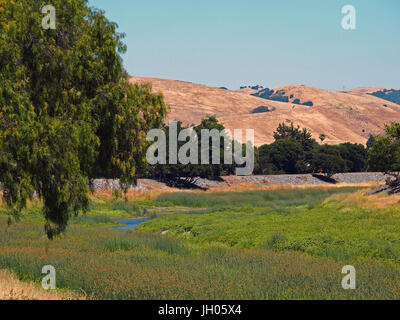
[130, 224]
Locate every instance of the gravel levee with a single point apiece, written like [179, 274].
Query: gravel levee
[294, 179]
[267, 180]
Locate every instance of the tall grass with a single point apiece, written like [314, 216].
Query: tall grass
[344, 226]
[279, 244]
[104, 265]
[256, 198]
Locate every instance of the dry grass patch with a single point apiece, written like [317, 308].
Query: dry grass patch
[361, 200]
[13, 289]
[134, 195]
[253, 187]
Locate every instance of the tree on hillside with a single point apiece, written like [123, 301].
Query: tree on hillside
[67, 110]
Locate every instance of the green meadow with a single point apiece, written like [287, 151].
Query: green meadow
[266, 244]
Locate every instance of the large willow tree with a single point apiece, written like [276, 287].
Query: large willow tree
[67, 110]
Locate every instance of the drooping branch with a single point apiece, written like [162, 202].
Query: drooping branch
[393, 182]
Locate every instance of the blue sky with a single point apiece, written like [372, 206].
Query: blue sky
[267, 42]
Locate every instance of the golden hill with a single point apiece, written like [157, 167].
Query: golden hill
[364, 90]
[341, 116]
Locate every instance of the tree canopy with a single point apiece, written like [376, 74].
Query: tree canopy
[384, 155]
[281, 156]
[295, 151]
[186, 174]
[67, 110]
[327, 158]
[302, 136]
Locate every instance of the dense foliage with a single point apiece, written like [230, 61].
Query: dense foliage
[67, 110]
[186, 174]
[295, 151]
[328, 160]
[384, 155]
[282, 156]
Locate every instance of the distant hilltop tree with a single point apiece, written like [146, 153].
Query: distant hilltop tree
[257, 87]
[270, 94]
[391, 95]
[67, 110]
[263, 109]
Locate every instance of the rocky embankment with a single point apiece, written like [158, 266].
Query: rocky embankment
[262, 181]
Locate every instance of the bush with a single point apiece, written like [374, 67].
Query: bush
[274, 241]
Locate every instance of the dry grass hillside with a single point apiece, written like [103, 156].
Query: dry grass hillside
[341, 116]
[364, 90]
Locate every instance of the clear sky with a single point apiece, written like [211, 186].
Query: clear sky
[267, 42]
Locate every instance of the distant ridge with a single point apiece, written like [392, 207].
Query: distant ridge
[342, 116]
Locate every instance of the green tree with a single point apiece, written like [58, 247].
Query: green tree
[302, 136]
[186, 174]
[67, 110]
[371, 141]
[326, 158]
[281, 156]
[264, 160]
[213, 171]
[384, 155]
[355, 156]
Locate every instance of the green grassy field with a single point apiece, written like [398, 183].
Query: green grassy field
[278, 244]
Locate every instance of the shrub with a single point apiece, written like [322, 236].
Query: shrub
[275, 240]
